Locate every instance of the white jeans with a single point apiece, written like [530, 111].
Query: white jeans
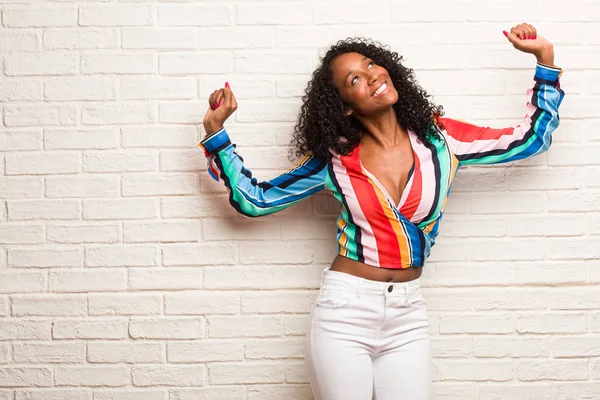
[368, 340]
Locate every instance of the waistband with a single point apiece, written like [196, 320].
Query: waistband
[366, 286]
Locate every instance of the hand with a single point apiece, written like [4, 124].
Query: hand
[222, 104]
[524, 37]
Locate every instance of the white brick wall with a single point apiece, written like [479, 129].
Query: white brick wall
[125, 274]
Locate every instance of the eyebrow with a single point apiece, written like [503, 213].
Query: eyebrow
[351, 71]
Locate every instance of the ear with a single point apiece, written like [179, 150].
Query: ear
[348, 112]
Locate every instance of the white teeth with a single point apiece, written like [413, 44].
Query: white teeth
[381, 89]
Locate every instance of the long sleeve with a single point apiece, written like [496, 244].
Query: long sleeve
[473, 144]
[252, 198]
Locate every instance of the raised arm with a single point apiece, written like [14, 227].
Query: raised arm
[248, 196]
[484, 145]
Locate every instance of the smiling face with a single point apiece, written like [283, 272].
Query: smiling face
[363, 85]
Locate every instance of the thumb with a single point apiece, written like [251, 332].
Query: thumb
[514, 39]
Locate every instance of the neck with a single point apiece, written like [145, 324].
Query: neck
[384, 129]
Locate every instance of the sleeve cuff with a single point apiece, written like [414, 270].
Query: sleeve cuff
[547, 73]
[215, 142]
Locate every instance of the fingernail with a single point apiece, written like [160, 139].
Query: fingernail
[218, 104]
[227, 84]
[505, 33]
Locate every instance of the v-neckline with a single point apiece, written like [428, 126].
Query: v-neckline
[380, 186]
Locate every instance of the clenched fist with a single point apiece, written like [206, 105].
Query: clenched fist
[524, 37]
[222, 104]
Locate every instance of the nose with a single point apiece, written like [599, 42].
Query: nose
[373, 77]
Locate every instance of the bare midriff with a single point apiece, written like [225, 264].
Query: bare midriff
[356, 268]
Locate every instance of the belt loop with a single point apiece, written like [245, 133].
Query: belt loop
[323, 275]
[358, 283]
[406, 291]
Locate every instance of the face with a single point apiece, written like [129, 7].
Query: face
[363, 85]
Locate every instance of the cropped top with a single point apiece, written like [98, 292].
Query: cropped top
[371, 228]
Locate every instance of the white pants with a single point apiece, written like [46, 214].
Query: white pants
[368, 340]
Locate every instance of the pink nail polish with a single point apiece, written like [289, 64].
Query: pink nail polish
[227, 84]
[505, 33]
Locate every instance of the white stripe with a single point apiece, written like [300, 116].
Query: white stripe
[368, 242]
[427, 183]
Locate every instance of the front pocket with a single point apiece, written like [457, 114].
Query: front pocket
[330, 298]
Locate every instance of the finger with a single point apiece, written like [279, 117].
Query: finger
[220, 96]
[211, 100]
[512, 37]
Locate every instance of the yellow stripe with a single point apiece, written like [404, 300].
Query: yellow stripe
[389, 213]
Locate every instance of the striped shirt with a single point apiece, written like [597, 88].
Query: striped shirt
[373, 229]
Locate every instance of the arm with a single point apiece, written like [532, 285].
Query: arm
[483, 145]
[252, 198]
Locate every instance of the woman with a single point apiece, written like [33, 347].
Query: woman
[371, 137]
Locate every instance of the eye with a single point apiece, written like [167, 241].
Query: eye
[370, 64]
[353, 81]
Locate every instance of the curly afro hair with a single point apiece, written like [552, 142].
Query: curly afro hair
[322, 124]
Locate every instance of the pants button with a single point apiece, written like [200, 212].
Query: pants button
[390, 288]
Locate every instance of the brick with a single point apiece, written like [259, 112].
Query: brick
[121, 256]
[276, 253]
[273, 63]
[77, 375]
[21, 187]
[498, 371]
[552, 323]
[557, 225]
[274, 392]
[125, 352]
[519, 391]
[40, 17]
[449, 274]
[21, 234]
[430, 11]
[86, 88]
[185, 64]
[508, 203]
[584, 298]
[256, 326]
[86, 280]
[182, 160]
[287, 13]
[556, 370]
[194, 15]
[240, 229]
[33, 163]
[183, 113]
[125, 304]
[575, 390]
[246, 373]
[21, 90]
[167, 328]
[144, 88]
[159, 38]
[277, 302]
[49, 305]
[274, 348]
[43, 209]
[4, 306]
[82, 186]
[165, 136]
[90, 329]
[48, 352]
[167, 375]
[550, 273]
[53, 394]
[296, 372]
[80, 39]
[197, 207]
[163, 184]
[557, 178]
[41, 64]
[22, 282]
[259, 277]
[580, 346]
[137, 394]
[209, 393]
[25, 377]
[340, 13]
[201, 303]
[120, 209]
[175, 231]
[444, 347]
[508, 250]
[198, 254]
[477, 324]
[116, 15]
[119, 113]
[115, 63]
[23, 329]
[90, 233]
[14, 40]
[108, 161]
[239, 37]
[201, 351]
[574, 248]
[520, 347]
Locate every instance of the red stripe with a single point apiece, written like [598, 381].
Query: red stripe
[385, 237]
[469, 133]
[410, 206]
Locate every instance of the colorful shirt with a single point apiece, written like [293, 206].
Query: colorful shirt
[371, 228]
